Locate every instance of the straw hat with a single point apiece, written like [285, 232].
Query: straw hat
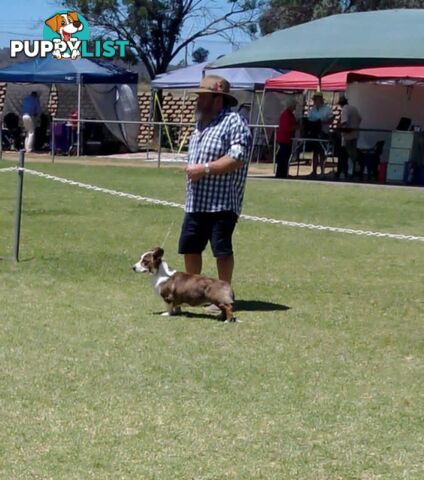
[318, 94]
[216, 84]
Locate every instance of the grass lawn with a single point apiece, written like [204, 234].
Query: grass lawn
[323, 379]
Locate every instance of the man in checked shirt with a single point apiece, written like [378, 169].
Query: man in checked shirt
[218, 157]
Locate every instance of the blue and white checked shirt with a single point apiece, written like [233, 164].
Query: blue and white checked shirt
[229, 135]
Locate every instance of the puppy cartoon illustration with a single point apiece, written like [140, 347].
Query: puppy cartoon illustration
[65, 24]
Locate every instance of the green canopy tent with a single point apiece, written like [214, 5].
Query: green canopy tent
[341, 42]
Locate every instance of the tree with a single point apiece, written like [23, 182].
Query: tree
[155, 28]
[200, 55]
[278, 14]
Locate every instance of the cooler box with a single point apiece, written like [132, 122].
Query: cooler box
[402, 140]
[399, 155]
[395, 172]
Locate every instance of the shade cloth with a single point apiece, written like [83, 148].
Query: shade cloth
[50, 70]
[338, 81]
[339, 43]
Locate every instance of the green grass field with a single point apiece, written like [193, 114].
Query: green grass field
[323, 379]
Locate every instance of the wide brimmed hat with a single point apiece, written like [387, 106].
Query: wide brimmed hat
[216, 84]
[318, 94]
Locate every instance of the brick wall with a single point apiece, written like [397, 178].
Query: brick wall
[175, 109]
[65, 100]
[2, 95]
[145, 133]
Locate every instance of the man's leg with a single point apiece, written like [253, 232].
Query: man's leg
[29, 132]
[221, 243]
[193, 263]
[279, 161]
[353, 154]
[286, 154]
[342, 163]
[193, 240]
[25, 121]
[225, 266]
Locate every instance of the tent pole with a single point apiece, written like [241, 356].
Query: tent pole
[149, 123]
[53, 146]
[1, 135]
[252, 104]
[254, 128]
[79, 119]
[261, 112]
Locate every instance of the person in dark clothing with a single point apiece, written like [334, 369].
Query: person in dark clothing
[286, 130]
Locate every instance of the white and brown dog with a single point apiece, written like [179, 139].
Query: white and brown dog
[65, 24]
[178, 288]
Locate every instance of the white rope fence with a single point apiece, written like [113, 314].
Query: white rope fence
[252, 218]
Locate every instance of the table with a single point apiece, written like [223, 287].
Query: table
[299, 146]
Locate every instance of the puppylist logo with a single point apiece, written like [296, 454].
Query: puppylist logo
[67, 35]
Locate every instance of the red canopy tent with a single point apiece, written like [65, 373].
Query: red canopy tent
[338, 81]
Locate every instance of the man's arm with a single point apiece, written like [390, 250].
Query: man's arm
[223, 165]
[236, 157]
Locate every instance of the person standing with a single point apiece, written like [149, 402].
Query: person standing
[350, 122]
[322, 114]
[286, 130]
[30, 110]
[218, 157]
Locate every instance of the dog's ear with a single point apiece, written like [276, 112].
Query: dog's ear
[158, 252]
[74, 16]
[53, 22]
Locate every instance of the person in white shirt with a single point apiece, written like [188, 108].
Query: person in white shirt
[349, 122]
[322, 113]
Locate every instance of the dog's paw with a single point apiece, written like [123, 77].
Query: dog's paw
[57, 54]
[232, 320]
[75, 54]
[165, 314]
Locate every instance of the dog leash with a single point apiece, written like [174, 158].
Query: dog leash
[168, 233]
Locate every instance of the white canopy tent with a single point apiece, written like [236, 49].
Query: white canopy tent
[190, 77]
[382, 104]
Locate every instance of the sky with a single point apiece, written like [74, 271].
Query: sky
[23, 19]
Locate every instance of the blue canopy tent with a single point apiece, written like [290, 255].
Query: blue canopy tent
[81, 71]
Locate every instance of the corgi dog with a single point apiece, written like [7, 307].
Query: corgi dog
[178, 288]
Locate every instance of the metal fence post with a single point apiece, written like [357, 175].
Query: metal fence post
[1, 135]
[274, 143]
[160, 144]
[18, 211]
[53, 147]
